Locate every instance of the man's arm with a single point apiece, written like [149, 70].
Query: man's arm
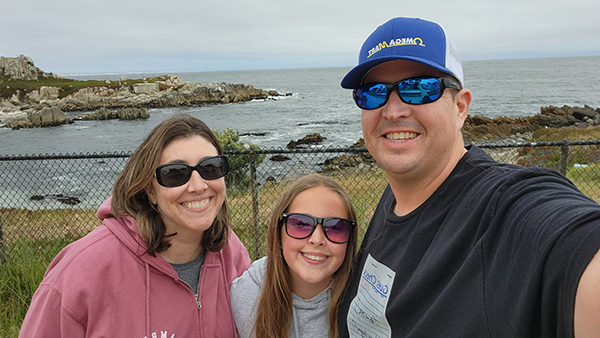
[587, 301]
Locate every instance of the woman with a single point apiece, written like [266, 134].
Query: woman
[295, 291]
[161, 263]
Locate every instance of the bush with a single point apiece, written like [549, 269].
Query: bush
[238, 179]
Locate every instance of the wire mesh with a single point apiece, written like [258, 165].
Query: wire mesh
[49, 201]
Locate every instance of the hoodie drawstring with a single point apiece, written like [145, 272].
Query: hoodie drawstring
[147, 300]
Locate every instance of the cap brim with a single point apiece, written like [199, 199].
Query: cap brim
[355, 76]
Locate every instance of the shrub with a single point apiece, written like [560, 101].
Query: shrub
[238, 179]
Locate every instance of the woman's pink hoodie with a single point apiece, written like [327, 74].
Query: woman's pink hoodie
[104, 285]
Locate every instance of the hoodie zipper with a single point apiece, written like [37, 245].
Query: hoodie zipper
[196, 297]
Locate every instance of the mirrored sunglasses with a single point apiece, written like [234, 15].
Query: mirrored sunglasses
[416, 90]
[300, 226]
[176, 174]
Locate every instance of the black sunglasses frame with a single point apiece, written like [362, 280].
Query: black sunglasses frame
[390, 87]
[190, 169]
[317, 221]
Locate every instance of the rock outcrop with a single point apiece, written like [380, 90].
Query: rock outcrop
[39, 118]
[123, 114]
[188, 94]
[315, 138]
[21, 68]
[172, 93]
[166, 91]
[349, 161]
[477, 128]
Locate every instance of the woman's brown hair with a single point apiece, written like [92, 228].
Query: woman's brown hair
[274, 311]
[129, 191]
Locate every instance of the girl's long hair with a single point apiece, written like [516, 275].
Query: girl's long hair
[274, 310]
[129, 191]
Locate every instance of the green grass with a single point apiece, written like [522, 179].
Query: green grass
[20, 276]
[587, 179]
[571, 133]
[31, 239]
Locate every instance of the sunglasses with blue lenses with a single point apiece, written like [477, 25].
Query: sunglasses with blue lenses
[300, 226]
[176, 174]
[416, 90]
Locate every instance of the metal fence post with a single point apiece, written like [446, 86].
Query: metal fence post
[2, 258]
[564, 157]
[255, 211]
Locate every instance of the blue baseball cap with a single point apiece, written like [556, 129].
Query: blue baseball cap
[411, 39]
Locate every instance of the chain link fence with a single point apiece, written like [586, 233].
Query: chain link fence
[48, 201]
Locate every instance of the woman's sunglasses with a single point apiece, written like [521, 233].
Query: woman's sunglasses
[176, 174]
[300, 226]
[416, 90]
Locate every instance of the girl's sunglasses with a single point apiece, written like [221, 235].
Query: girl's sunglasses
[416, 90]
[176, 174]
[300, 226]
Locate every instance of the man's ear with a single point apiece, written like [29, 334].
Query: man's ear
[462, 100]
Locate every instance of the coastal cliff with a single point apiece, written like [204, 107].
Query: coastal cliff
[22, 68]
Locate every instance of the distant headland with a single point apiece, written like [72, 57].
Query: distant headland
[30, 97]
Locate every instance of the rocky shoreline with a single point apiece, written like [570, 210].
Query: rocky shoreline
[45, 107]
[175, 93]
[478, 128]
[164, 91]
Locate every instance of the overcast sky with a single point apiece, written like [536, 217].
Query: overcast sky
[120, 36]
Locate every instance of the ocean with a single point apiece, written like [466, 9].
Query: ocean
[317, 104]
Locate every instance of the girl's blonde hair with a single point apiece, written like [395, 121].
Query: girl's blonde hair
[129, 191]
[274, 311]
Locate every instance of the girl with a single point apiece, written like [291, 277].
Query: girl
[295, 291]
[162, 262]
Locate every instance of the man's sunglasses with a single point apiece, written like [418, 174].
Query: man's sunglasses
[300, 226]
[176, 174]
[416, 90]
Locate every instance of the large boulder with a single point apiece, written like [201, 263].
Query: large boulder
[123, 114]
[42, 95]
[477, 127]
[47, 117]
[315, 138]
[39, 118]
[133, 113]
[146, 88]
[362, 159]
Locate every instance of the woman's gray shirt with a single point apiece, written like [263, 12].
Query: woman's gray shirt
[309, 317]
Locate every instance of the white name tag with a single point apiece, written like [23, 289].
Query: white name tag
[366, 316]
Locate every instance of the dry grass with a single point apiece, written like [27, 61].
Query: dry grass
[46, 224]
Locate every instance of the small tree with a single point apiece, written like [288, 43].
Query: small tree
[238, 178]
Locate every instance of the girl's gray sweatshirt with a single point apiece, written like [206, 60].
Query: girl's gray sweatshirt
[309, 316]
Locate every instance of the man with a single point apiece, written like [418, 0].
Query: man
[459, 245]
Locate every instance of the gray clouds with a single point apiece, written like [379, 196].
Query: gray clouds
[84, 36]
